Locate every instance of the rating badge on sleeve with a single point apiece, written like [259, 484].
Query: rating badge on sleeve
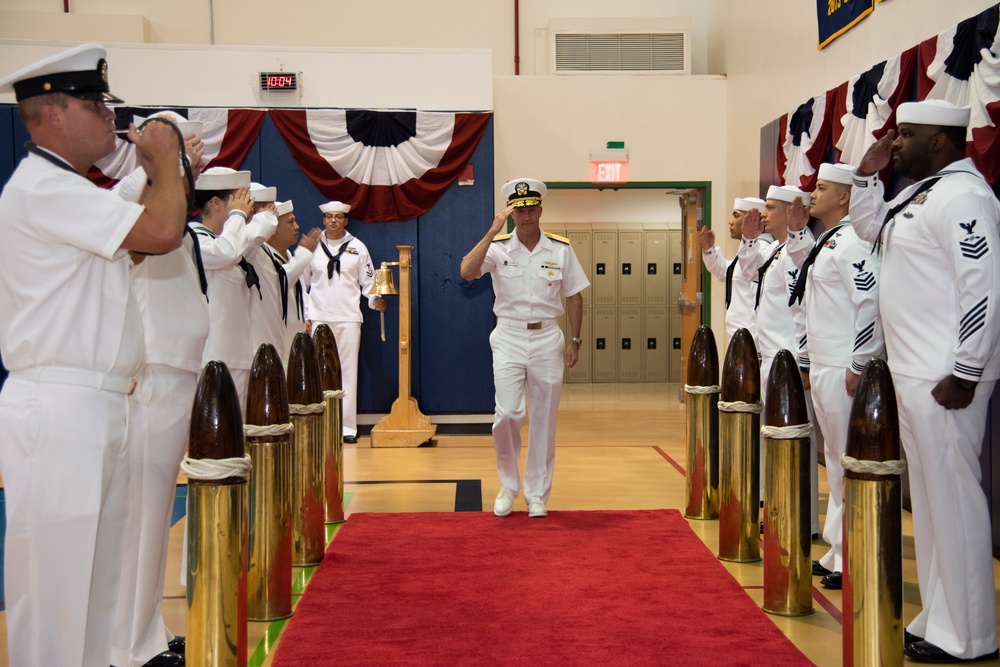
[972, 246]
[863, 280]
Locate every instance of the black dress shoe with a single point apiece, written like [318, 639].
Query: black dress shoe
[832, 581]
[166, 659]
[924, 651]
[909, 638]
[177, 645]
[819, 570]
[351, 439]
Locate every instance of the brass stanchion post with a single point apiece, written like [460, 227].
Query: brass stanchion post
[216, 467]
[269, 444]
[333, 394]
[787, 534]
[739, 467]
[702, 427]
[873, 531]
[306, 407]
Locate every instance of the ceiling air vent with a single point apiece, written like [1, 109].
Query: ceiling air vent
[632, 53]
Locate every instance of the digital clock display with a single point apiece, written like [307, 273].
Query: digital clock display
[279, 81]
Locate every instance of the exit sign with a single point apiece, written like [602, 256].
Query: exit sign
[608, 172]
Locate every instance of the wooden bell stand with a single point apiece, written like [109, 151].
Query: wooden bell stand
[405, 425]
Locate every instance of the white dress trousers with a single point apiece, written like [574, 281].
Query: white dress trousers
[832, 407]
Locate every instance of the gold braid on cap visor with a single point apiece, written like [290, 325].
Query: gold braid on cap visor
[527, 201]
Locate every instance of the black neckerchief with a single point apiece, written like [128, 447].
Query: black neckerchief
[729, 280]
[250, 273]
[800, 284]
[924, 187]
[202, 278]
[761, 271]
[334, 263]
[282, 281]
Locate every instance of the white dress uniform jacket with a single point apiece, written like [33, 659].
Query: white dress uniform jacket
[296, 265]
[335, 299]
[277, 317]
[844, 331]
[71, 336]
[940, 280]
[528, 362]
[740, 312]
[229, 337]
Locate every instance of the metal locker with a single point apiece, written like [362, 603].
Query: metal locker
[581, 239]
[656, 345]
[605, 345]
[605, 262]
[583, 371]
[657, 269]
[674, 334]
[630, 346]
[630, 268]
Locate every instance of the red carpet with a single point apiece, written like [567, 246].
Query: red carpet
[575, 588]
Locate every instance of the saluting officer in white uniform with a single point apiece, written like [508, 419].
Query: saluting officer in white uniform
[293, 315]
[838, 277]
[339, 275]
[776, 276]
[532, 272]
[740, 292]
[940, 279]
[171, 291]
[70, 333]
[226, 233]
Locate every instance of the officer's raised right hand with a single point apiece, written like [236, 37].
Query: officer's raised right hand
[500, 222]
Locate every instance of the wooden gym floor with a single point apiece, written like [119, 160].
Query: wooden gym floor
[619, 446]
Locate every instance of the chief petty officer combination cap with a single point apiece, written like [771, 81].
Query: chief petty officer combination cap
[222, 178]
[81, 72]
[787, 193]
[933, 112]
[335, 207]
[747, 203]
[524, 192]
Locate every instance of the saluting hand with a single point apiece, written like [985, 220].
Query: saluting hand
[269, 206]
[157, 146]
[798, 216]
[310, 241]
[241, 201]
[752, 224]
[500, 222]
[707, 238]
[878, 155]
[195, 149]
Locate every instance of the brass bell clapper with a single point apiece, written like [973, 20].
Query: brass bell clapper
[384, 285]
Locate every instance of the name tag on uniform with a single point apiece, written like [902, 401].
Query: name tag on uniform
[509, 262]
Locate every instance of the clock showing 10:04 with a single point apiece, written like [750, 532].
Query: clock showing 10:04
[279, 81]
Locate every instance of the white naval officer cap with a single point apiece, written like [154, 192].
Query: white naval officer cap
[787, 193]
[747, 203]
[284, 207]
[222, 178]
[836, 173]
[80, 72]
[335, 207]
[524, 192]
[262, 193]
[933, 112]
[183, 124]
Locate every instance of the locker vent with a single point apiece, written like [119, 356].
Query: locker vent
[626, 53]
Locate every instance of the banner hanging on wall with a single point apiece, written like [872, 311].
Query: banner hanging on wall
[835, 17]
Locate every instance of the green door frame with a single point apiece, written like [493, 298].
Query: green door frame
[706, 204]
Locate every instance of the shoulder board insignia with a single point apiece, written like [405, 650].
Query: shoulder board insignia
[560, 239]
[502, 237]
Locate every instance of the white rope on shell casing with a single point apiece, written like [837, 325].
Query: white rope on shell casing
[740, 406]
[307, 408]
[212, 469]
[787, 432]
[334, 393]
[895, 467]
[708, 389]
[251, 431]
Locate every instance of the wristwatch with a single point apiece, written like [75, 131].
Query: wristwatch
[578, 341]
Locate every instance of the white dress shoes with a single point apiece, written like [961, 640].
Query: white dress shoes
[536, 508]
[505, 502]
